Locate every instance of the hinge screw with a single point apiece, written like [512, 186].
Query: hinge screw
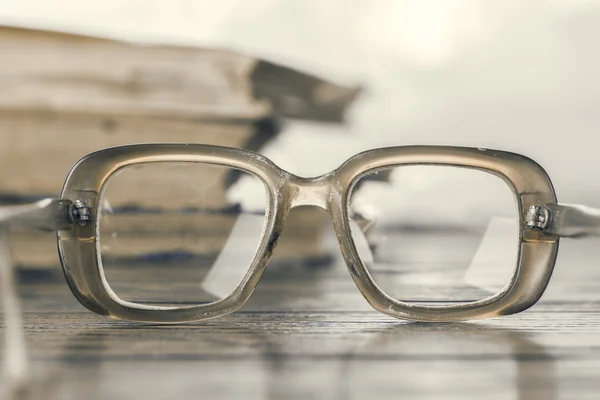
[537, 218]
[79, 213]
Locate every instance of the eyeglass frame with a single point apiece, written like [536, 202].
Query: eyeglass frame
[541, 219]
[82, 265]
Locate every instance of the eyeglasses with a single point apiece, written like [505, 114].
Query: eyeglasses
[127, 206]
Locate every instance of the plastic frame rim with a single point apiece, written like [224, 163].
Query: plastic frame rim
[79, 254]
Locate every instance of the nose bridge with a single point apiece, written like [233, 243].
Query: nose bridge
[311, 191]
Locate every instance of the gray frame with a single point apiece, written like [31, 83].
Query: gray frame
[82, 266]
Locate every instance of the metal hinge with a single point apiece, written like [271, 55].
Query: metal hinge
[538, 218]
[79, 213]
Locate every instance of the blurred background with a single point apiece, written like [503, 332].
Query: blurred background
[512, 75]
[308, 84]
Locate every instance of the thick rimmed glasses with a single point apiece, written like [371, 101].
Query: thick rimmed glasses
[102, 225]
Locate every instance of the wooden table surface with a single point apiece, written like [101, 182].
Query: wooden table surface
[307, 333]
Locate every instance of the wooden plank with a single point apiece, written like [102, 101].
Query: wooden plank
[308, 333]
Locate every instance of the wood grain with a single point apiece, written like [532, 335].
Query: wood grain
[308, 334]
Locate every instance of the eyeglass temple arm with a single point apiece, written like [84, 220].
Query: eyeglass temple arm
[47, 214]
[565, 220]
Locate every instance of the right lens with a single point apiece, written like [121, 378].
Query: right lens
[179, 233]
[436, 234]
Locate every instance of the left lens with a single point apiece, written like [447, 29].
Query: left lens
[179, 233]
[436, 234]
